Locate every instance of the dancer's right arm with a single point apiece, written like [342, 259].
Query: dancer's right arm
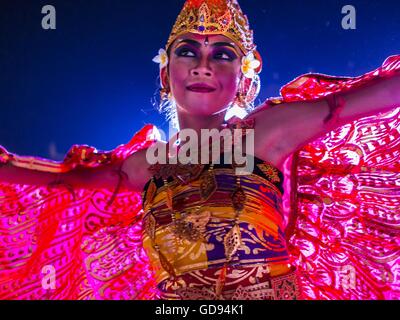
[131, 173]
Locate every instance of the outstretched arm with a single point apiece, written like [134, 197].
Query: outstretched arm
[293, 125]
[112, 176]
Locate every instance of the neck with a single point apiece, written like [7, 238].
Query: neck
[198, 122]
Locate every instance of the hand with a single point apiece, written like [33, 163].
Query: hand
[4, 158]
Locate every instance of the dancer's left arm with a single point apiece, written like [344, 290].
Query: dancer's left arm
[290, 126]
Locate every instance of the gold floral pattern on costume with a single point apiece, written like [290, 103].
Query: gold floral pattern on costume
[232, 242]
[193, 226]
[270, 171]
[166, 264]
[238, 199]
[192, 242]
[150, 226]
[197, 294]
[151, 192]
[185, 173]
[208, 185]
[240, 285]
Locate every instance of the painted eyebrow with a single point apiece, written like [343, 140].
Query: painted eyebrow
[216, 44]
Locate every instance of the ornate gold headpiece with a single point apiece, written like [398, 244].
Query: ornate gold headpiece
[207, 17]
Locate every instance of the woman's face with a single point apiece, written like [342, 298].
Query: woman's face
[204, 73]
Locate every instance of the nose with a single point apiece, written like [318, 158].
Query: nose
[202, 69]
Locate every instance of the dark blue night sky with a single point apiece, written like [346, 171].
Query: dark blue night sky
[91, 81]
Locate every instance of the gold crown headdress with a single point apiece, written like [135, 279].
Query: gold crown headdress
[207, 17]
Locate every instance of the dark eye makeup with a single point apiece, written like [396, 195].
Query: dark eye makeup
[218, 53]
[185, 51]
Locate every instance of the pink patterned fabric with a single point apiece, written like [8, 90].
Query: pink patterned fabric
[344, 213]
[95, 249]
[342, 204]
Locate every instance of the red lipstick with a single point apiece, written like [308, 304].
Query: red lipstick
[200, 87]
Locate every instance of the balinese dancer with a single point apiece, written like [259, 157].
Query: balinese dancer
[316, 217]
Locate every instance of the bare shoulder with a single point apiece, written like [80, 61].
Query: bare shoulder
[284, 128]
[269, 141]
[136, 167]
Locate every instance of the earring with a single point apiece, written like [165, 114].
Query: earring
[248, 91]
[240, 100]
[165, 94]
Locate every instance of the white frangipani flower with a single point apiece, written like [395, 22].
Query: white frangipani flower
[249, 65]
[161, 58]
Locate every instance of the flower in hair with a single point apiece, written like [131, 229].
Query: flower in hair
[161, 58]
[250, 65]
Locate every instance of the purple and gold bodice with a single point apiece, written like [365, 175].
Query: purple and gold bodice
[185, 231]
